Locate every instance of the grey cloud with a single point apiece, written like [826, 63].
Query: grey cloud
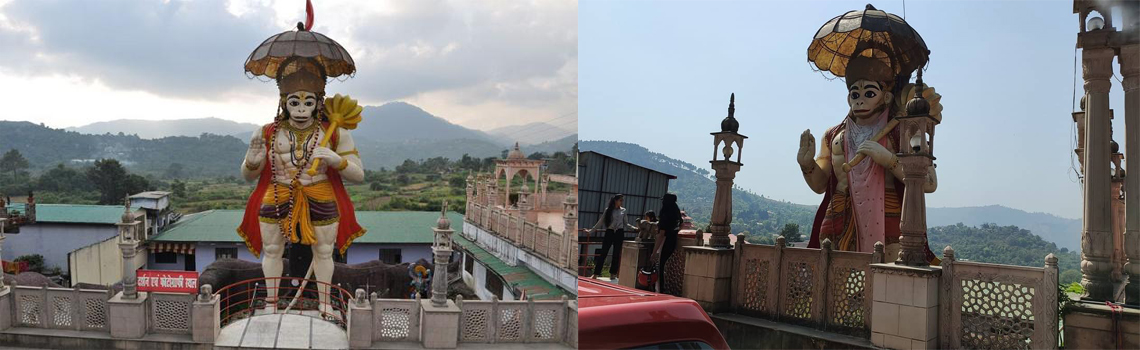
[515, 51]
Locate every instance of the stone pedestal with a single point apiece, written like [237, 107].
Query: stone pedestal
[708, 277]
[6, 312]
[360, 324]
[205, 318]
[572, 320]
[634, 256]
[904, 313]
[127, 317]
[1090, 326]
[439, 326]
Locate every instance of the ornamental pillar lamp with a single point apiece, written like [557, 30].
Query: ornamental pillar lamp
[128, 243]
[442, 251]
[725, 169]
[917, 131]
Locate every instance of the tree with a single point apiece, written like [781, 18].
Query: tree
[791, 233]
[62, 179]
[113, 182]
[13, 161]
[179, 189]
[175, 171]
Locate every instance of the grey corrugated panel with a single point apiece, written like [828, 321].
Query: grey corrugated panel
[601, 176]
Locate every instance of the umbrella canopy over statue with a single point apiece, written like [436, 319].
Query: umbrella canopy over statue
[267, 59]
[870, 33]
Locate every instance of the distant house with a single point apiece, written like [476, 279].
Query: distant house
[199, 239]
[79, 239]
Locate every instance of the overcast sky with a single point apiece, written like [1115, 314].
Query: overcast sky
[660, 76]
[481, 64]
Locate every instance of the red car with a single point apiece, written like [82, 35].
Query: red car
[616, 317]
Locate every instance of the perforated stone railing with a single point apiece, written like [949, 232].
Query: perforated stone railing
[60, 308]
[395, 320]
[516, 321]
[990, 306]
[541, 241]
[821, 288]
[170, 312]
[675, 266]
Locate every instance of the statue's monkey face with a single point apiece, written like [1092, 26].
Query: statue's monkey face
[301, 106]
[867, 98]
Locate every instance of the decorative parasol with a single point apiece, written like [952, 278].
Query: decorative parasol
[267, 58]
[871, 33]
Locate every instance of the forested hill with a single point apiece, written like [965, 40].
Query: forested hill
[1003, 245]
[753, 213]
[44, 148]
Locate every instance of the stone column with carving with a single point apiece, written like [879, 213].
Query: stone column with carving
[126, 311]
[470, 201]
[1096, 236]
[726, 169]
[440, 326]
[1130, 69]
[567, 257]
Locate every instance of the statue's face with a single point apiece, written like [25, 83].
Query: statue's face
[301, 106]
[867, 98]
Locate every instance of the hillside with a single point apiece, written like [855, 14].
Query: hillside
[156, 129]
[389, 134]
[1004, 245]
[757, 214]
[1065, 232]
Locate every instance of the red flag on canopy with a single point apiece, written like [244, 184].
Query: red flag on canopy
[308, 15]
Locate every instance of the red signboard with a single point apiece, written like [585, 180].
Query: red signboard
[167, 281]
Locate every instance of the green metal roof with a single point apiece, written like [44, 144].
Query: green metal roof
[517, 276]
[76, 213]
[382, 226]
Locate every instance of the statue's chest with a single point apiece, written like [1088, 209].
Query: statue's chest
[295, 146]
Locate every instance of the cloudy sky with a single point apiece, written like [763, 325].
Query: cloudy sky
[481, 64]
[660, 76]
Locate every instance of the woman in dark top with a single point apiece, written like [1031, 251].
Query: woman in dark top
[668, 225]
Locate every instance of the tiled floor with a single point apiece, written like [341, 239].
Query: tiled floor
[283, 331]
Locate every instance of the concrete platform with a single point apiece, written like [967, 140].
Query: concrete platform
[282, 331]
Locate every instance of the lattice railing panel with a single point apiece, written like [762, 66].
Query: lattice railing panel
[848, 306]
[511, 322]
[675, 273]
[475, 324]
[395, 320]
[756, 280]
[170, 313]
[62, 310]
[799, 277]
[94, 305]
[996, 315]
[548, 321]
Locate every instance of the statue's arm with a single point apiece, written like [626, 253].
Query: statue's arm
[255, 156]
[346, 148]
[816, 171]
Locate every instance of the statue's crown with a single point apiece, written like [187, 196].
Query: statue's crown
[300, 74]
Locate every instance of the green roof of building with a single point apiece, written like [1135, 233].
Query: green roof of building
[519, 277]
[75, 213]
[382, 226]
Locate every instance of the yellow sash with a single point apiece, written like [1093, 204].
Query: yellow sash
[320, 192]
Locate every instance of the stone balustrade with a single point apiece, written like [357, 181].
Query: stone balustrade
[60, 308]
[507, 224]
[520, 321]
[991, 306]
[822, 288]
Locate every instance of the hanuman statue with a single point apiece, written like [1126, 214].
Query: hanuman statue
[291, 204]
[862, 206]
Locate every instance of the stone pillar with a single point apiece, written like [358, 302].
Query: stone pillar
[1130, 69]
[569, 232]
[725, 168]
[6, 312]
[205, 316]
[634, 255]
[470, 202]
[1096, 236]
[913, 222]
[3, 221]
[708, 276]
[126, 317]
[904, 310]
[360, 321]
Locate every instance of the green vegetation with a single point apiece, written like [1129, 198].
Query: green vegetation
[1004, 245]
[13, 162]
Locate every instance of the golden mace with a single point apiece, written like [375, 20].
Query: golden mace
[343, 112]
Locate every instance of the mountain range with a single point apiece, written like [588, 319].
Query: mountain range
[389, 134]
[757, 214]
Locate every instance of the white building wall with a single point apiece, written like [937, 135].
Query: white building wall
[55, 241]
[101, 263]
[513, 255]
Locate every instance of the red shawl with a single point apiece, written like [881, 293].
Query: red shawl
[250, 228]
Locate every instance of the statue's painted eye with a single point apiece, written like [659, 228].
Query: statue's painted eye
[855, 95]
[870, 94]
[294, 103]
[308, 103]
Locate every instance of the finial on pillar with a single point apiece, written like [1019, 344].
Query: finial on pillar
[729, 124]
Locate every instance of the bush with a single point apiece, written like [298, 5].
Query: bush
[35, 262]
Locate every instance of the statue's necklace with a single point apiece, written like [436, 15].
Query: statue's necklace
[299, 152]
[299, 168]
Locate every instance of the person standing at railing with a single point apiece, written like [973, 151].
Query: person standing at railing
[614, 222]
[668, 227]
